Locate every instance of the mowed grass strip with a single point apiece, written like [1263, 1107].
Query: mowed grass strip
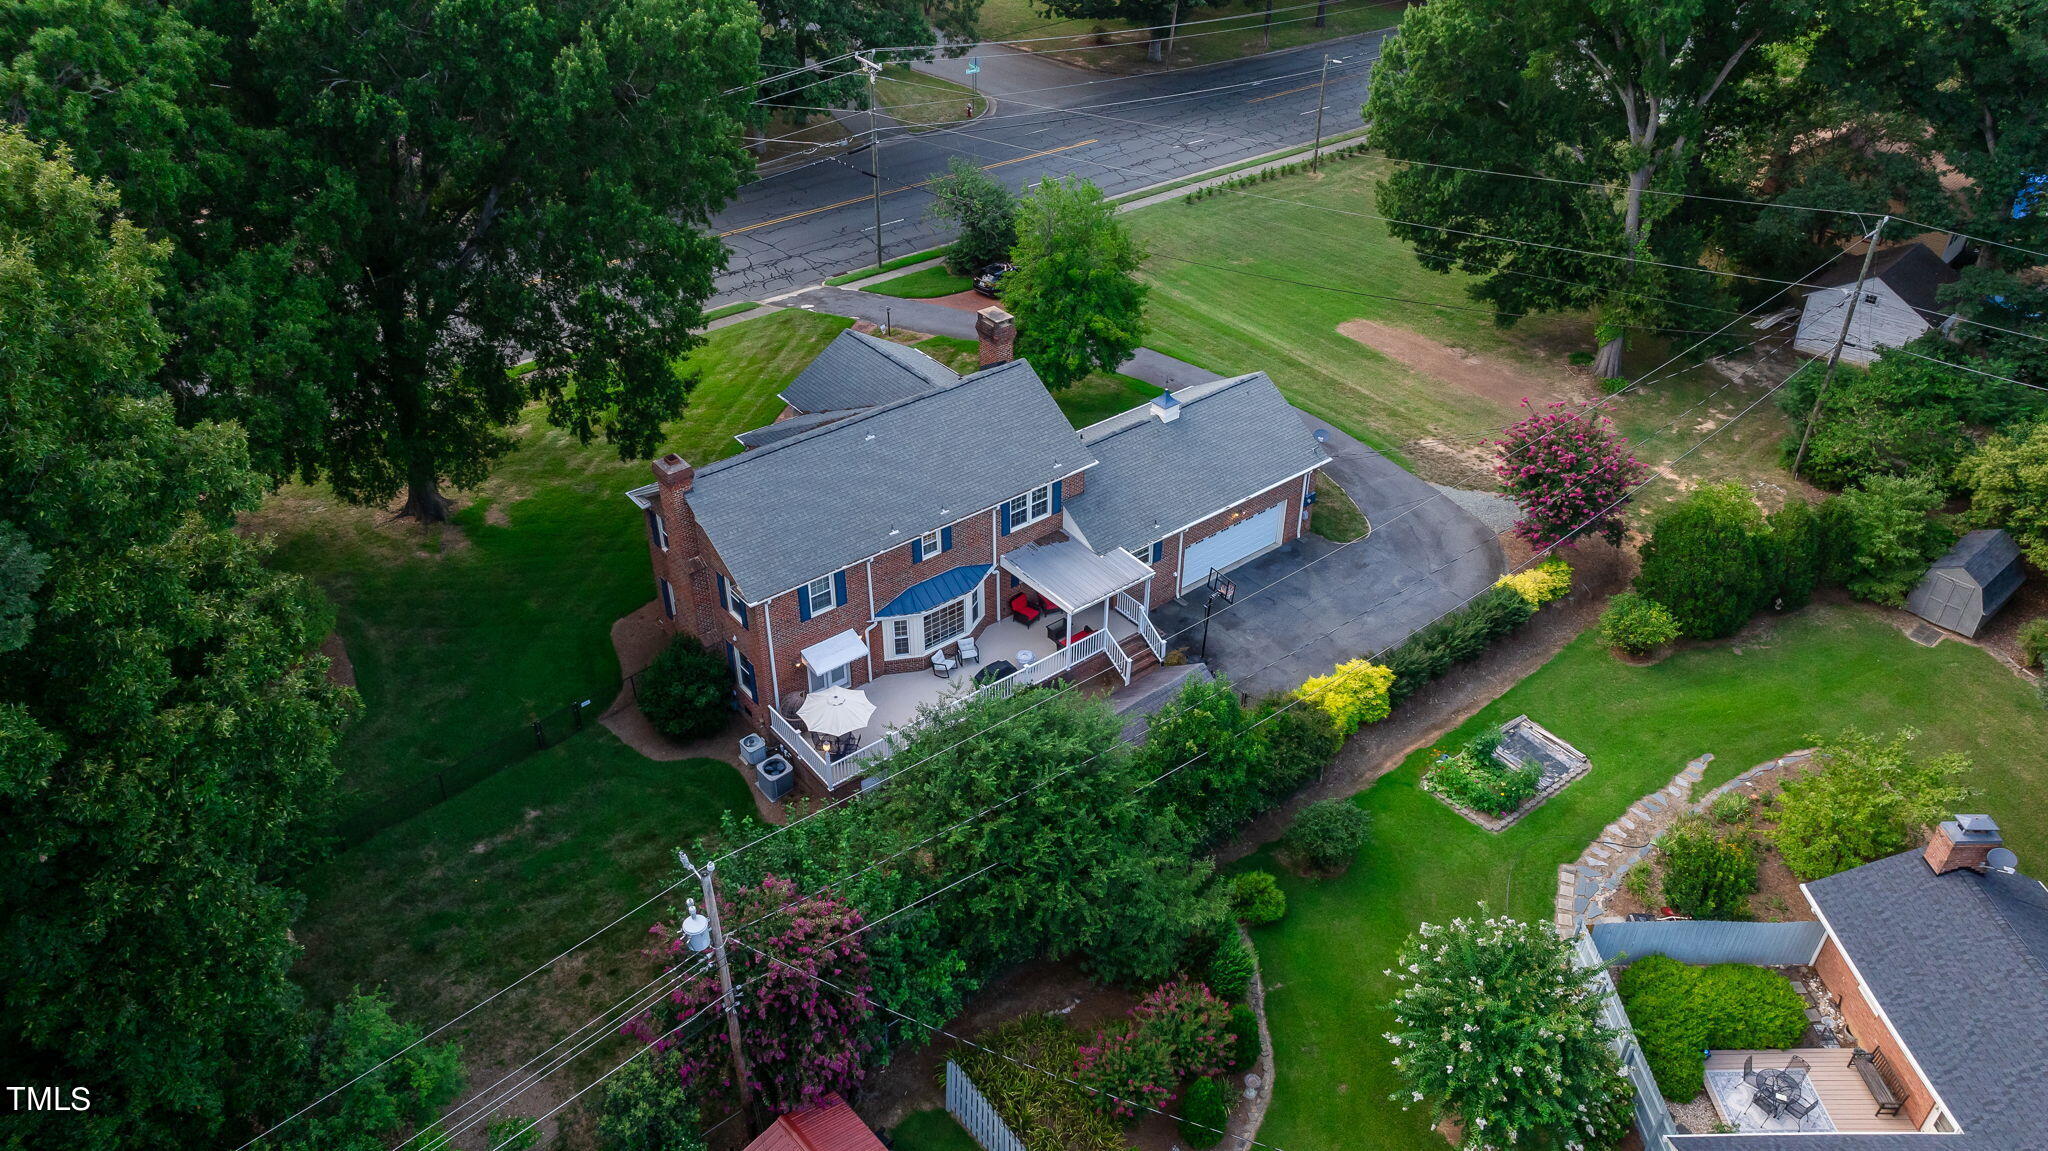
[923, 284]
[1239, 30]
[461, 635]
[1261, 280]
[1746, 700]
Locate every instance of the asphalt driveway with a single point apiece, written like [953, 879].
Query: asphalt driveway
[1303, 608]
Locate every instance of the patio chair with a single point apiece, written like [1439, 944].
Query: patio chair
[1801, 1107]
[968, 652]
[1797, 1069]
[1749, 1070]
[1025, 607]
[943, 666]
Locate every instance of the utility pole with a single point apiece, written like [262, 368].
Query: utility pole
[1172, 28]
[1315, 158]
[701, 932]
[873, 70]
[1841, 338]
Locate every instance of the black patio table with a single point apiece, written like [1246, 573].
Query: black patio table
[1776, 1090]
[994, 671]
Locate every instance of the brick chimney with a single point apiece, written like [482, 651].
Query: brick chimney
[1965, 841]
[998, 332]
[674, 473]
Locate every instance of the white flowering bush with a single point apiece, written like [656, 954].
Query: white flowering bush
[1500, 1029]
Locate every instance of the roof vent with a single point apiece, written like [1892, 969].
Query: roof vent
[1166, 407]
[1977, 823]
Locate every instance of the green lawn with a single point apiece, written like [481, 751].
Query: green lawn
[1335, 516]
[460, 636]
[1817, 671]
[922, 284]
[922, 101]
[932, 1130]
[1097, 397]
[1239, 31]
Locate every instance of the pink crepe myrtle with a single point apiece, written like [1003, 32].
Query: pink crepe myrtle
[1569, 472]
[803, 1038]
[1179, 1030]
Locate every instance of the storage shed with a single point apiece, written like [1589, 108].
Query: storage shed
[827, 1125]
[1899, 303]
[1969, 584]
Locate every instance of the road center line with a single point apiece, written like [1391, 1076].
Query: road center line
[893, 191]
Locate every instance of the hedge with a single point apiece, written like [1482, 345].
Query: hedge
[1679, 1011]
[1455, 638]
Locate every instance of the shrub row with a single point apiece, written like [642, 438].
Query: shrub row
[1679, 1011]
[1272, 173]
[1455, 638]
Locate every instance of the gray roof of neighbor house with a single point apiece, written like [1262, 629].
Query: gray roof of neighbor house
[1911, 270]
[783, 429]
[1233, 438]
[818, 501]
[1959, 964]
[1968, 585]
[857, 370]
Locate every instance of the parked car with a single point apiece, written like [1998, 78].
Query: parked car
[990, 282]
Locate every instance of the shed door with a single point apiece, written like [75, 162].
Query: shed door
[1232, 546]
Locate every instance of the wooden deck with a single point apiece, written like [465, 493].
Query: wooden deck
[1841, 1090]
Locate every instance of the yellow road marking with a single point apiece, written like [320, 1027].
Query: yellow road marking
[1288, 92]
[893, 191]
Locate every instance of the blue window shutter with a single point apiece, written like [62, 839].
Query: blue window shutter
[1056, 486]
[742, 609]
[839, 588]
[946, 539]
[917, 550]
[1158, 550]
[1006, 518]
[724, 595]
[803, 602]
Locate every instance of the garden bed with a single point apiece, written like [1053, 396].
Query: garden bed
[1522, 768]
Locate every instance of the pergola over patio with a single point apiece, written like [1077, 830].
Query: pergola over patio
[1072, 576]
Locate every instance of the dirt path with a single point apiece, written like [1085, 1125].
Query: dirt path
[339, 669]
[1504, 383]
[1599, 571]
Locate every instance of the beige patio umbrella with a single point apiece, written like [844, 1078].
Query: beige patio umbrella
[836, 710]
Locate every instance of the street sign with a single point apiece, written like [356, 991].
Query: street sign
[973, 65]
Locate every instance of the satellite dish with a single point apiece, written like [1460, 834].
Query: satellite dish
[1322, 435]
[2002, 858]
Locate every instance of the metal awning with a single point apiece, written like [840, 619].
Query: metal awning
[1071, 575]
[835, 651]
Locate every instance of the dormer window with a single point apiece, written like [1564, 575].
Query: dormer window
[1031, 507]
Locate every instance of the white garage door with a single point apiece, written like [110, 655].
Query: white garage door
[1231, 546]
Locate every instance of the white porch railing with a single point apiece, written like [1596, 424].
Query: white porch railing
[1117, 658]
[1128, 606]
[832, 771]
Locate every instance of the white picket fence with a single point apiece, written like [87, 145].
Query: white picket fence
[964, 1101]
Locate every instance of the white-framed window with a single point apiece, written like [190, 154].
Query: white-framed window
[730, 597]
[930, 544]
[820, 592]
[668, 598]
[913, 636]
[1031, 507]
[656, 529]
[841, 676]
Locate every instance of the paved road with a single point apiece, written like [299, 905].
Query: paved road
[1155, 368]
[1425, 556]
[1123, 132]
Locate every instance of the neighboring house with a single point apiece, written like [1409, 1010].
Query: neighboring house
[1968, 585]
[827, 1125]
[1936, 960]
[1899, 303]
[932, 508]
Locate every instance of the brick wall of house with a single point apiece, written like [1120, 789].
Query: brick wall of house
[1166, 577]
[692, 566]
[1870, 1029]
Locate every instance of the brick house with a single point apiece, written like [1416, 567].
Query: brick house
[898, 508]
[1937, 960]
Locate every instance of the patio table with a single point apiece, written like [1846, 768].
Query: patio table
[1776, 1090]
[995, 671]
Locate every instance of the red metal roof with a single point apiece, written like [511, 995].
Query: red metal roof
[828, 1125]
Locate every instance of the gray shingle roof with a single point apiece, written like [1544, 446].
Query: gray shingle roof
[1968, 585]
[857, 370]
[1959, 962]
[1234, 438]
[816, 502]
[767, 434]
[1911, 270]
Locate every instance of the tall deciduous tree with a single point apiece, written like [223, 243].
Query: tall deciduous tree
[1159, 15]
[165, 725]
[1626, 95]
[795, 33]
[1075, 293]
[379, 208]
[984, 211]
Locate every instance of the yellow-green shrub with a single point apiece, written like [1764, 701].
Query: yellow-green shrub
[1353, 694]
[1545, 582]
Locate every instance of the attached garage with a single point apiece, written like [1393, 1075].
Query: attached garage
[1232, 546]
